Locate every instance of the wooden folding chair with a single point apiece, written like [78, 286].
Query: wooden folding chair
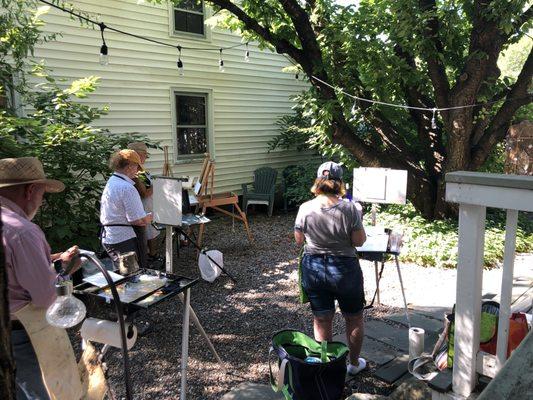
[207, 199]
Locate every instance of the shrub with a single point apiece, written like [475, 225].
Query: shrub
[434, 243]
[59, 133]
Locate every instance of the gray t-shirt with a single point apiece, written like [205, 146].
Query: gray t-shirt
[328, 230]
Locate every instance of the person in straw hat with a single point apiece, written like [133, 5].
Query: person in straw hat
[121, 208]
[143, 184]
[28, 258]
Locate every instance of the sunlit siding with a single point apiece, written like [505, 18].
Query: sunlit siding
[246, 99]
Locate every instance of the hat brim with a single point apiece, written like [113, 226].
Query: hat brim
[51, 185]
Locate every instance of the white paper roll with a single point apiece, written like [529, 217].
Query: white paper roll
[416, 342]
[107, 332]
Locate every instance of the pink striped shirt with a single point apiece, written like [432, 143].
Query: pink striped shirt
[30, 277]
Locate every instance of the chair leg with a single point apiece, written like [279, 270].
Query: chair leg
[270, 208]
[245, 221]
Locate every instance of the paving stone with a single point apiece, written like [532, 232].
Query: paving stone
[393, 370]
[419, 320]
[397, 337]
[252, 391]
[372, 350]
[434, 312]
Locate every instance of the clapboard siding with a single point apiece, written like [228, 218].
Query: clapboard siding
[246, 100]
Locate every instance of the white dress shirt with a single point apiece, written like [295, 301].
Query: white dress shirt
[120, 204]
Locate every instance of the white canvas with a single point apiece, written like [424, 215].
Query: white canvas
[167, 201]
[380, 185]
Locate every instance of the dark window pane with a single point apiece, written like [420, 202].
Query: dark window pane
[190, 110]
[192, 141]
[195, 23]
[180, 21]
[192, 5]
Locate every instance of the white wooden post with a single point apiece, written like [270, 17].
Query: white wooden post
[468, 300]
[507, 287]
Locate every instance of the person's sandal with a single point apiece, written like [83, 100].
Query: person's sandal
[353, 370]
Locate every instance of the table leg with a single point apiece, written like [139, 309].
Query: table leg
[185, 343]
[403, 291]
[377, 281]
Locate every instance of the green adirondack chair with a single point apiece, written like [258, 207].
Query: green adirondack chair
[263, 191]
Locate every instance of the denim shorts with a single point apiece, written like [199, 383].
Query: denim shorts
[328, 278]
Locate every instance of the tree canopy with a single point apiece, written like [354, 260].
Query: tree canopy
[422, 53]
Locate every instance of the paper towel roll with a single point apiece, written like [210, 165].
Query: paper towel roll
[416, 342]
[107, 332]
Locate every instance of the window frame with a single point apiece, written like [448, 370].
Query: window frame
[172, 32]
[190, 91]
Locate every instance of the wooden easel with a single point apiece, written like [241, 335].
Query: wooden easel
[207, 199]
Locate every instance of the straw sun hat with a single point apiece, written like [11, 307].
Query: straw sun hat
[25, 170]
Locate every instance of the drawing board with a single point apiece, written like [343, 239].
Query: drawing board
[167, 200]
[380, 185]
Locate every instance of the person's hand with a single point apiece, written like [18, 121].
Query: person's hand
[70, 260]
[149, 218]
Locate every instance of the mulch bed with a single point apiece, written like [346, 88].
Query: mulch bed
[239, 318]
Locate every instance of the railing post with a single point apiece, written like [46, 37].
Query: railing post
[507, 287]
[468, 301]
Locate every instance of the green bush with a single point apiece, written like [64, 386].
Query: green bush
[59, 133]
[434, 243]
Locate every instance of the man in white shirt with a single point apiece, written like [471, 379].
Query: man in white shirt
[121, 207]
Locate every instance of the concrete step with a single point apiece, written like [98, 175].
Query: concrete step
[252, 391]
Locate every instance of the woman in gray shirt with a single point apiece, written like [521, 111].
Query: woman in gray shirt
[331, 229]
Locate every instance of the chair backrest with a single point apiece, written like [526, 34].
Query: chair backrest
[265, 179]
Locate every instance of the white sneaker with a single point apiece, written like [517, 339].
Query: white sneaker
[355, 369]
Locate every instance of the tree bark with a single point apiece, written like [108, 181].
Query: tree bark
[7, 365]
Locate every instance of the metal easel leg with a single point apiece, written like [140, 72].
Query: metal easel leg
[185, 343]
[378, 277]
[199, 326]
[168, 249]
[403, 291]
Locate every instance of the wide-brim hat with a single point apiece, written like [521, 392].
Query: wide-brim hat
[139, 147]
[26, 170]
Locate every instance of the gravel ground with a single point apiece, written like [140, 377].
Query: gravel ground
[240, 319]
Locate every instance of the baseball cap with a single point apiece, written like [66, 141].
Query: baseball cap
[334, 170]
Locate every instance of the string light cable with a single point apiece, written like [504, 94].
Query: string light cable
[432, 109]
[155, 41]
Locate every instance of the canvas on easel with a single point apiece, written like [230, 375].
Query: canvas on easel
[380, 185]
[167, 200]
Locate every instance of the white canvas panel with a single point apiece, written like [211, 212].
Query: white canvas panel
[167, 201]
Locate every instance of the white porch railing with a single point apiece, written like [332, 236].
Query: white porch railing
[475, 192]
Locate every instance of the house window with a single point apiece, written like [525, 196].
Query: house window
[189, 17]
[191, 124]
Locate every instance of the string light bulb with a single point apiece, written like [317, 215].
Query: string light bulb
[220, 62]
[104, 53]
[180, 63]
[247, 54]
[433, 122]
[66, 311]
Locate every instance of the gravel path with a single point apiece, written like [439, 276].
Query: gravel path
[241, 319]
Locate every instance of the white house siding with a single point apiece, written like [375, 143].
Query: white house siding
[246, 99]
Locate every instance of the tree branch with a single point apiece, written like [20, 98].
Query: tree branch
[436, 69]
[517, 97]
[281, 45]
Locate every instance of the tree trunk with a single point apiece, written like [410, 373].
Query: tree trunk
[7, 365]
